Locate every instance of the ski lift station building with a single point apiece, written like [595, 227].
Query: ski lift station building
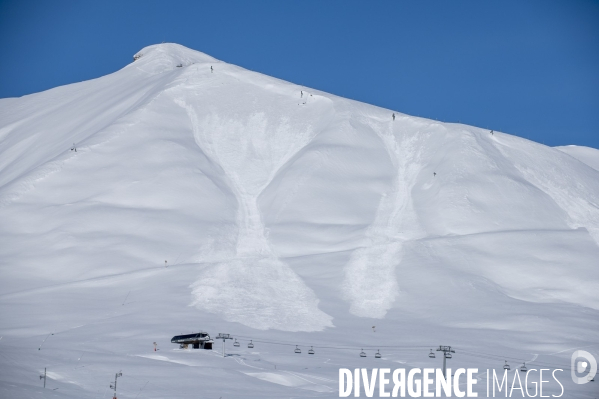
[199, 340]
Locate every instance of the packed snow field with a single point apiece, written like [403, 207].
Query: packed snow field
[286, 216]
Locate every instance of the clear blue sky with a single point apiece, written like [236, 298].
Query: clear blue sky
[529, 68]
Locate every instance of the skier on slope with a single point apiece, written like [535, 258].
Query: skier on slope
[211, 70]
[394, 116]
[491, 132]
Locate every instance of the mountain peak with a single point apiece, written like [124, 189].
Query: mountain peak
[166, 56]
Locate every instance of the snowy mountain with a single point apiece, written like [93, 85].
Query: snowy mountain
[285, 215]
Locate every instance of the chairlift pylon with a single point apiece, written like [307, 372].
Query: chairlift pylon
[311, 351]
[377, 355]
[251, 344]
[506, 366]
[431, 355]
[297, 350]
[362, 354]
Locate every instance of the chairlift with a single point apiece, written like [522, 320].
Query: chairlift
[311, 351]
[377, 355]
[297, 350]
[250, 345]
[447, 355]
[523, 368]
[362, 354]
[506, 366]
[431, 355]
[236, 343]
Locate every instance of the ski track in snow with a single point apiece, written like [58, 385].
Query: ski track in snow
[370, 283]
[248, 283]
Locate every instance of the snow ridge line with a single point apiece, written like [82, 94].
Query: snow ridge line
[20, 185]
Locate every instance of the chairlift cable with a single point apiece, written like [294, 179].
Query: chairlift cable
[467, 352]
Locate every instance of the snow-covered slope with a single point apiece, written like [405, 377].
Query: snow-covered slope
[284, 214]
[587, 155]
